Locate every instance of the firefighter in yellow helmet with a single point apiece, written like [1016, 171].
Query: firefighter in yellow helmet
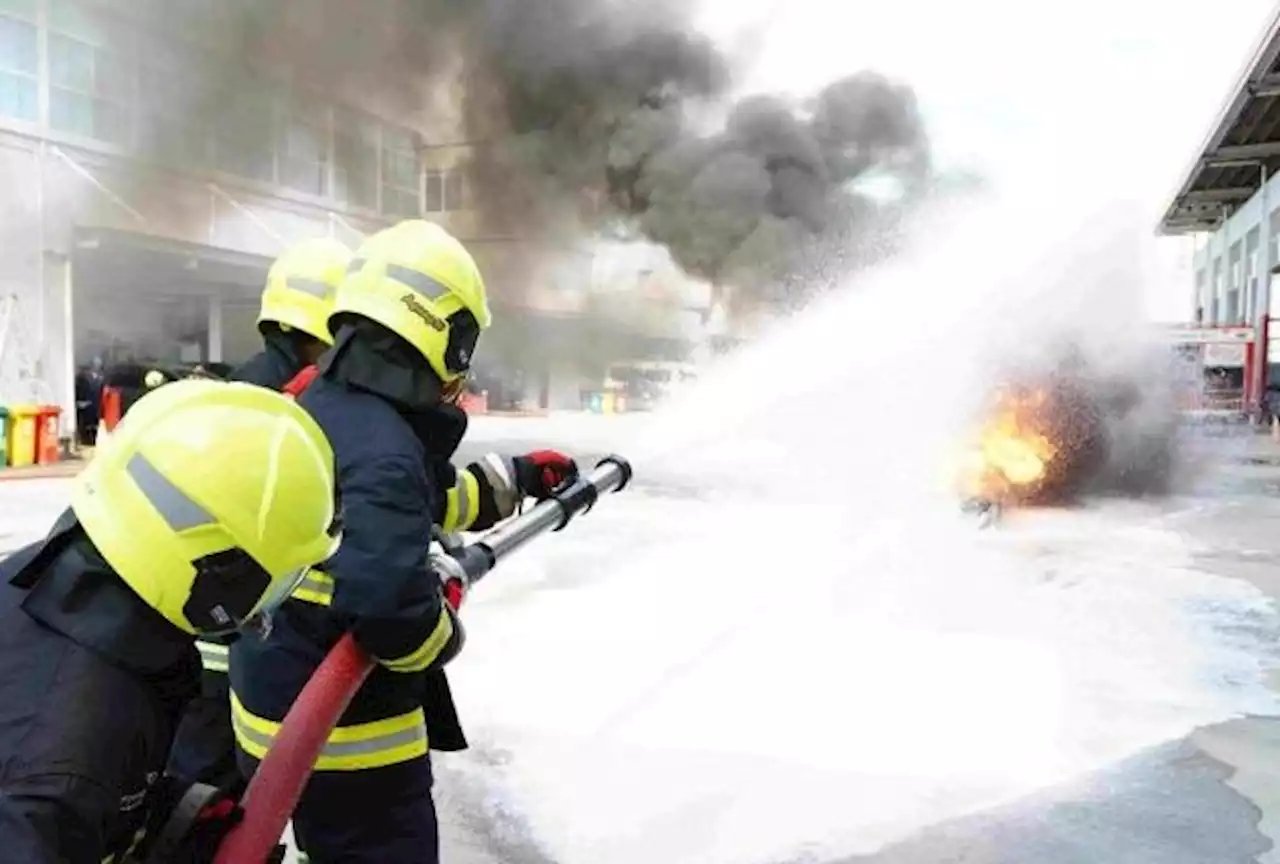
[207, 507]
[294, 323]
[296, 304]
[407, 320]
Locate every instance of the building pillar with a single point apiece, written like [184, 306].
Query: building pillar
[1262, 300]
[213, 352]
[63, 272]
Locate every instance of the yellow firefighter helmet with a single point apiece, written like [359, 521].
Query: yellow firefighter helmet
[301, 286]
[417, 280]
[211, 501]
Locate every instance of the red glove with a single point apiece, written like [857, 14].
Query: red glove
[455, 591]
[543, 472]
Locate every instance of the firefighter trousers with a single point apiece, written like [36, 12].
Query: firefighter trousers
[376, 816]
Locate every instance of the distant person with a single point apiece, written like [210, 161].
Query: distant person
[89, 384]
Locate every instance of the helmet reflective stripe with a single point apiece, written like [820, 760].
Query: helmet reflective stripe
[177, 510]
[314, 287]
[419, 282]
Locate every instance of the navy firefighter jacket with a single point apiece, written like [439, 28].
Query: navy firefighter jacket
[92, 683]
[378, 585]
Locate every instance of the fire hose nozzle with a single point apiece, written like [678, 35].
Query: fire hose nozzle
[611, 474]
[623, 466]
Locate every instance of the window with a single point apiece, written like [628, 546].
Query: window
[92, 79]
[446, 190]
[302, 150]
[172, 93]
[19, 66]
[355, 158]
[399, 173]
[1233, 307]
[244, 134]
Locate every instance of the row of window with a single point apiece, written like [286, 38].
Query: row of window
[108, 81]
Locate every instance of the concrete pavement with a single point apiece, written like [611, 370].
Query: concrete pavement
[1210, 798]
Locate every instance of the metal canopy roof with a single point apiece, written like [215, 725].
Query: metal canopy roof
[1244, 139]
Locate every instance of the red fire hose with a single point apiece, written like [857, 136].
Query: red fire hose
[278, 783]
[276, 786]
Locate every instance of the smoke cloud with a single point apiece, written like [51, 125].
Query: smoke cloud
[588, 115]
[599, 114]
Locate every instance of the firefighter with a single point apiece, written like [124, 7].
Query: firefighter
[294, 325]
[406, 322]
[294, 317]
[201, 514]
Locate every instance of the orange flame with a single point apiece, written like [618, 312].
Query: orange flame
[1011, 454]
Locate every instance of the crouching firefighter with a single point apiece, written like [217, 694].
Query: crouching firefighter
[294, 323]
[406, 321]
[203, 512]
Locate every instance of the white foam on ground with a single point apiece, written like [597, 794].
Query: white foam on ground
[668, 694]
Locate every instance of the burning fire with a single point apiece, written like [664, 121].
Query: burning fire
[1011, 454]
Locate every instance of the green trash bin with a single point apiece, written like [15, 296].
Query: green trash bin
[4, 436]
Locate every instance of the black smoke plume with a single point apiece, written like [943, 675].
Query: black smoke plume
[596, 114]
[584, 115]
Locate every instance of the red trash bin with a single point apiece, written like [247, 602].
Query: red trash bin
[47, 450]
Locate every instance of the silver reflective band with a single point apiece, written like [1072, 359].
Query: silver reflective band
[314, 287]
[500, 471]
[173, 505]
[419, 282]
[321, 587]
[213, 657]
[464, 503]
[340, 749]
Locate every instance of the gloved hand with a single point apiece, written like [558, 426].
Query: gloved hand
[186, 822]
[455, 591]
[542, 472]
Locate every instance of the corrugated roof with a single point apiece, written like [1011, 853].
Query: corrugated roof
[1244, 138]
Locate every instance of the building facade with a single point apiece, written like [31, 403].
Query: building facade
[138, 226]
[1228, 262]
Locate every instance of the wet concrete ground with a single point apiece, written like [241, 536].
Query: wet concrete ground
[1211, 798]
